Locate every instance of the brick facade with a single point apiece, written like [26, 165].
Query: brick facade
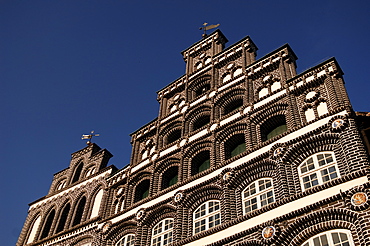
[256, 153]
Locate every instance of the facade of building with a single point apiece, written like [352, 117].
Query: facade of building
[243, 152]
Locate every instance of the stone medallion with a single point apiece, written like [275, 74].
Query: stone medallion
[140, 214]
[337, 123]
[359, 198]
[268, 232]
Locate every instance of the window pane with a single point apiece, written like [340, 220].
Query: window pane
[335, 238]
[204, 166]
[250, 205]
[324, 159]
[213, 206]
[339, 239]
[324, 240]
[307, 166]
[250, 190]
[173, 181]
[329, 174]
[238, 149]
[130, 240]
[145, 194]
[266, 198]
[264, 184]
[310, 181]
[277, 131]
[316, 242]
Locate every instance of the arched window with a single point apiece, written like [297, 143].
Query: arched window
[199, 87]
[200, 162]
[162, 233]
[337, 237]
[79, 211]
[63, 218]
[142, 190]
[233, 106]
[200, 122]
[47, 226]
[258, 194]
[202, 89]
[127, 240]
[206, 216]
[273, 127]
[318, 169]
[234, 146]
[34, 229]
[173, 136]
[170, 177]
[77, 174]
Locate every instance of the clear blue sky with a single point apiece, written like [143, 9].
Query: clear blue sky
[68, 67]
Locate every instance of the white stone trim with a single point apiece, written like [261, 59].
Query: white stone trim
[200, 71]
[231, 118]
[269, 99]
[142, 164]
[170, 149]
[198, 135]
[198, 100]
[230, 83]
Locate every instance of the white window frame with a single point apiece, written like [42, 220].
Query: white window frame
[330, 240]
[162, 233]
[316, 173]
[126, 240]
[206, 216]
[259, 195]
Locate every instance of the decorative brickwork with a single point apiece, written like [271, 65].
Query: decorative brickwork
[243, 152]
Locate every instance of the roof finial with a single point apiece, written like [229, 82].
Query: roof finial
[89, 137]
[205, 28]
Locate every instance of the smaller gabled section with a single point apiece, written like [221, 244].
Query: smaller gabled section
[84, 163]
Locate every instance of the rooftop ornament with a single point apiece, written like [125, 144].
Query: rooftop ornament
[89, 137]
[206, 28]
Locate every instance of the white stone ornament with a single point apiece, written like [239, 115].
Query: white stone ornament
[178, 197]
[106, 227]
[268, 232]
[231, 65]
[359, 198]
[311, 95]
[337, 123]
[278, 151]
[140, 214]
[227, 176]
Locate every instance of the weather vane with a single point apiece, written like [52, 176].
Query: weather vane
[205, 28]
[89, 137]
